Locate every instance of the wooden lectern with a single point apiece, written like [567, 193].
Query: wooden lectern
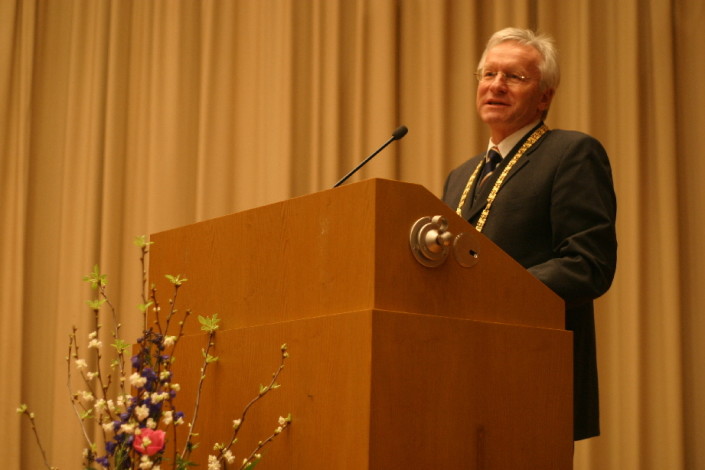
[394, 365]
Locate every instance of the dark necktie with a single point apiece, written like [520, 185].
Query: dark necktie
[492, 159]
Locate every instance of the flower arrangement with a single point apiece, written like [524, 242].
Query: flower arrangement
[133, 402]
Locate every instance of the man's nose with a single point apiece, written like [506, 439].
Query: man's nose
[498, 83]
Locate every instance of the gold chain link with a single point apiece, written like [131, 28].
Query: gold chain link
[493, 193]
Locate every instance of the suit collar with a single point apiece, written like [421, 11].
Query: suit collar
[508, 146]
[479, 200]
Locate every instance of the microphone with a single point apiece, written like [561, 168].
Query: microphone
[398, 133]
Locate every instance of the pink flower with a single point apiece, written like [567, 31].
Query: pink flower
[149, 441]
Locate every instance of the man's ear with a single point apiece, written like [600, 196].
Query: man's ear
[546, 98]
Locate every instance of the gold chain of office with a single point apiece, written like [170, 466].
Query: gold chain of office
[490, 199]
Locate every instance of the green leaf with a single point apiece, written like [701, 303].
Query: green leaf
[142, 242]
[95, 304]
[143, 307]
[120, 345]
[209, 359]
[121, 456]
[253, 464]
[183, 464]
[176, 280]
[96, 279]
[209, 324]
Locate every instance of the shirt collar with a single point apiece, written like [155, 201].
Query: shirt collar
[506, 145]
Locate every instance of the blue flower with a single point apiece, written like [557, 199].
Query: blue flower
[155, 409]
[110, 447]
[151, 377]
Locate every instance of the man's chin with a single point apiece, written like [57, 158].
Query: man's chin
[493, 117]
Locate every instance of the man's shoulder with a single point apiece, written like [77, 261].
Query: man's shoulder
[571, 136]
[563, 143]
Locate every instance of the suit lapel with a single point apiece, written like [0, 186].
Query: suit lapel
[480, 200]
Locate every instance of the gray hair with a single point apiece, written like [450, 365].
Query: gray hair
[543, 43]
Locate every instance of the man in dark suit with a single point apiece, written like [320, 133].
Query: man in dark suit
[543, 196]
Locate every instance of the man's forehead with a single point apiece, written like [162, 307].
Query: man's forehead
[513, 51]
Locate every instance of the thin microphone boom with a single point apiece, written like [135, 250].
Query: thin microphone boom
[398, 133]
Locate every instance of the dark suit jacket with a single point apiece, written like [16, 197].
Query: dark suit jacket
[555, 214]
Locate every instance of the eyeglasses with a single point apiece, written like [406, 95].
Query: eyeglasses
[487, 76]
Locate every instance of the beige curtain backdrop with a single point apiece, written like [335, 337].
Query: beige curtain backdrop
[125, 117]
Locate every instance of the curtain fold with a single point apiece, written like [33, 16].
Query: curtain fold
[688, 66]
[16, 70]
[123, 118]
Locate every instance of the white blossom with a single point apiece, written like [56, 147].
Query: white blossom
[136, 380]
[167, 417]
[95, 343]
[213, 463]
[145, 462]
[159, 397]
[81, 364]
[169, 340]
[229, 457]
[142, 412]
[128, 428]
[236, 423]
